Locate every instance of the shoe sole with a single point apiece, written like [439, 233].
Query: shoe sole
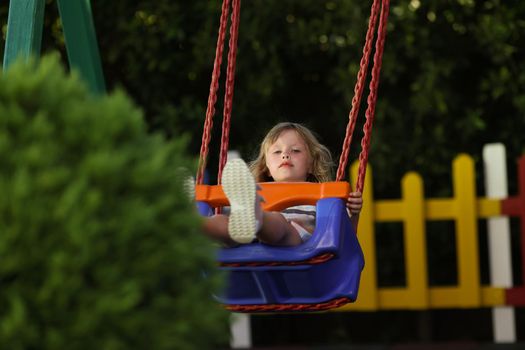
[240, 188]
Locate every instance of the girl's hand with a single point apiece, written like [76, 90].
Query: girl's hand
[354, 203]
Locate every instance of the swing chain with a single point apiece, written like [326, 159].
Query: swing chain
[212, 98]
[372, 96]
[230, 82]
[358, 91]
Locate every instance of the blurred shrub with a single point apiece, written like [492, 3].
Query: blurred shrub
[99, 246]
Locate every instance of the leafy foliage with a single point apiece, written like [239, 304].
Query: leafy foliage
[99, 245]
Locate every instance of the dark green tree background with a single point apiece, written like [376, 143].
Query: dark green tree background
[453, 77]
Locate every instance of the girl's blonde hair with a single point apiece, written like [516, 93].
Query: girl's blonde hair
[320, 155]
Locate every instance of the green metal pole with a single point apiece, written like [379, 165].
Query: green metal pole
[24, 30]
[81, 42]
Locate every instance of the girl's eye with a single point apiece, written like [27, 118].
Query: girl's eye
[276, 152]
[296, 151]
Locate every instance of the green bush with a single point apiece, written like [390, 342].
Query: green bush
[99, 246]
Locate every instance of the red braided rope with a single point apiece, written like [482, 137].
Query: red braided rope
[212, 97]
[331, 304]
[372, 96]
[230, 82]
[358, 91]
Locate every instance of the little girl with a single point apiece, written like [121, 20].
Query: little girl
[289, 153]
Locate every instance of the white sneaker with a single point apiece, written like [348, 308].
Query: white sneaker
[239, 186]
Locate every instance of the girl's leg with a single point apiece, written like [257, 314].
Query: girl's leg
[276, 230]
[216, 227]
[246, 213]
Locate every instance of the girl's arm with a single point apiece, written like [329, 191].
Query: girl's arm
[354, 205]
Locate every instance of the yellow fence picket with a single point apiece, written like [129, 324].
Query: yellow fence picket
[410, 211]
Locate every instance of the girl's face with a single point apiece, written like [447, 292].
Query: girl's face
[288, 158]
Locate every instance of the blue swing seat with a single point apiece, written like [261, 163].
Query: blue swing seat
[320, 274]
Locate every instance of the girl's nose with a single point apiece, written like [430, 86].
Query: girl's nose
[286, 155]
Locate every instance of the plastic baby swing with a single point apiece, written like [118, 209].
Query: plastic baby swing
[323, 272]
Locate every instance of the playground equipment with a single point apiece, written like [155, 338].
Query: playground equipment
[324, 272]
[24, 36]
[289, 278]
